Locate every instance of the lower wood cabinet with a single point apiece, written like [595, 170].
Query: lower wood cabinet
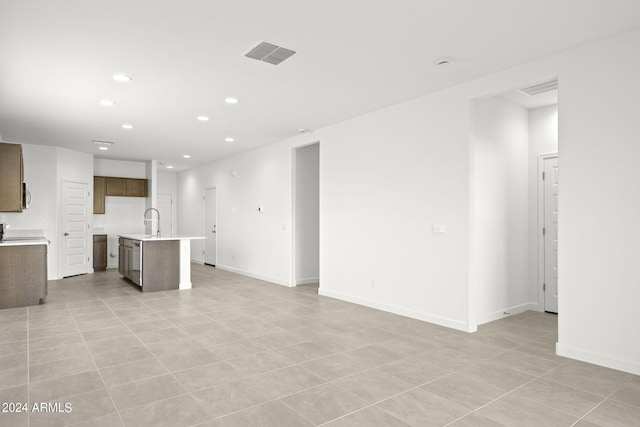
[99, 252]
[152, 265]
[23, 275]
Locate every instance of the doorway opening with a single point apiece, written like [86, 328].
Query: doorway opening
[306, 217]
[210, 243]
[511, 131]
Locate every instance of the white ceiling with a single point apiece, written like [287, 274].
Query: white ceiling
[57, 59]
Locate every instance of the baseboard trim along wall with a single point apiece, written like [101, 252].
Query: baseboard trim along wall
[255, 276]
[633, 367]
[431, 318]
[500, 314]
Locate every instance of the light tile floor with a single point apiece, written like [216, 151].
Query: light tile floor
[236, 351]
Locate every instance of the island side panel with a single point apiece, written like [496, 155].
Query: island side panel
[160, 265]
[185, 264]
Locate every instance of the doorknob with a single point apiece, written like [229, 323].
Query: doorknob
[66, 234]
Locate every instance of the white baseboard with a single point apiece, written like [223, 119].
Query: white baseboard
[500, 314]
[631, 366]
[255, 276]
[427, 317]
[306, 281]
[197, 261]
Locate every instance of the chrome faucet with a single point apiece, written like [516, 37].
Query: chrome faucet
[151, 219]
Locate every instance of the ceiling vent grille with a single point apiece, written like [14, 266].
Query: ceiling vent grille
[269, 52]
[103, 142]
[545, 87]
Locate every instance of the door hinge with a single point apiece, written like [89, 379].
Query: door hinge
[544, 231]
[542, 175]
[544, 287]
[88, 259]
[202, 252]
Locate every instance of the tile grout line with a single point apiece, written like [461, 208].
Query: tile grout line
[96, 366]
[159, 361]
[597, 406]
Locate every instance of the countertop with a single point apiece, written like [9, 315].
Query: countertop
[151, 238]
[24, 241]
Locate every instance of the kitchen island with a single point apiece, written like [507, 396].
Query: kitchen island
[156, 263]
[23, 271]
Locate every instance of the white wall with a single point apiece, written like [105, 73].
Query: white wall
[40, 172]
[500, 150]
[387, 176]
[385, 179]
[307, 214]
[543, 139]
[123, 215]
[249, 242]
[119, 168]
[599, 207]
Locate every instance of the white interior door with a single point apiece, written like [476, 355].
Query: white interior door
[75, 251]
[165, 207]
[551, 234]
[210, 216]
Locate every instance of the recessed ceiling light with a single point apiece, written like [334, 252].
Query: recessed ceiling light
[203, 118]
[121, 78]
[231, 100]
[169, 167]
[107, 102]
[229, 139]
[126, 126]
[186, 156]
[103, 148]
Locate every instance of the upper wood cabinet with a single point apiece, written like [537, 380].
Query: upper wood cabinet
[116, 186]
[11, 177]
[128, 187]
[99, 191]
[135, 187]
[119, 187]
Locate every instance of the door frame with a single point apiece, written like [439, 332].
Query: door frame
[292, 271]
[204, 216]
[60, 226]
[541, 159]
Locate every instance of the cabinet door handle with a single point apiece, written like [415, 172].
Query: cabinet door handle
[66, 234]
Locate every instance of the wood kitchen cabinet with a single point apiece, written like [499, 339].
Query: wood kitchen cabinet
[99, 252]
[23, 275]
[11, 177]
[116, 187]
[157, 267]
[126, 187]
[99, 193]
[125, 255]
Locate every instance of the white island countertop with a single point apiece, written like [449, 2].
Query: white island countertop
[151, 237]
[24, 241]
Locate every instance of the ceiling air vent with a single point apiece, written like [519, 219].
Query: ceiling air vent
[545, 87]
[268, 52]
